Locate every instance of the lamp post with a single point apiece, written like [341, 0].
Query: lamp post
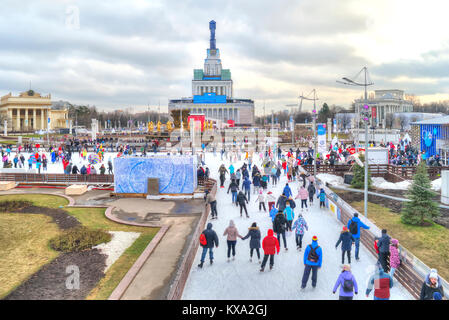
[365, 115]
[314, 126]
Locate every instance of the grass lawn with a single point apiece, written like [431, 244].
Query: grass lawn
[39, 200]
[94, 218]
[24, 243]
[24, 247]
[429, 244]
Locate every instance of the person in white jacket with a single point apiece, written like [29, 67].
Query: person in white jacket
[271, 200]
[261, 199]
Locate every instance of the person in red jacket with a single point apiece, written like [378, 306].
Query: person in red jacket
[270, 245]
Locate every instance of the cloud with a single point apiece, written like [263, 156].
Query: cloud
[135, 52]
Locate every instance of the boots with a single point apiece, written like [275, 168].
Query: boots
[201, 264]
[211, 261]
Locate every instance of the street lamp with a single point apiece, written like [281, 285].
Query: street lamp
[314, 126]
[365, 114]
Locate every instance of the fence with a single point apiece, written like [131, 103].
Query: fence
[412, 271]
[179, 283]
[390, 172]
[57, 178]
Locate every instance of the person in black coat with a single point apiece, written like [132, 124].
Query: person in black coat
[242, 200]
[211, 240]
[384, 250]
[281, 203]
[346, 240]
[311, 189]
[254, 242]
[432, 287]
[279, 226]
[75, 169]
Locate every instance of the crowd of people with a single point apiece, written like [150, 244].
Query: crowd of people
[287, 217]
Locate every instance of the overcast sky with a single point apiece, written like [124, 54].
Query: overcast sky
[119, 54]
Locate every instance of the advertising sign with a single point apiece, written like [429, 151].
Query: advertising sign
[321, 132]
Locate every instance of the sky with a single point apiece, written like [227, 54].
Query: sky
[138, 53]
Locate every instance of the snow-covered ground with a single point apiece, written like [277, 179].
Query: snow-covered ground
[378, 182]
[241, 279]
[120, 241]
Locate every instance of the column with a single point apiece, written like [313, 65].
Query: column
[34, 119]
[10, 117]
[18, 119]
[26, 119]
[42, 119]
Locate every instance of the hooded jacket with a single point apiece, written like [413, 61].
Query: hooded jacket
[273, 213]
[394, 254]
[254, 234]
[211, 236]
[360, 224]
[289, 214]
[303, 194]
[319, 252]
[287, 191]
[256, 180]
[311, 189]
[270, 244]
[322, 195]
[231, 169]
[241, 198]
[246, 184]
[281, 203]
[233, 187]
[280, 222]
[299, 225]
[428, 290]
[346, 240]
[381, 282]
[345, 275]
[232, 232]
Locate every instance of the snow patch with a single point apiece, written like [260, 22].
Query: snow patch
[436, 184]
[332, 179]
[381, 183]
[120, 241]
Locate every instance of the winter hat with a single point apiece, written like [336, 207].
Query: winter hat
[356, 214]
[346, 267]
[433, 274]
[345, 229]
[231, 223]
[254, 225]
[437, 296]
[314, 238]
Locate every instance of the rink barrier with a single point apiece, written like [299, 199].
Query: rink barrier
[412, 271]
[178, 285]
[391, 173]
[57, 178]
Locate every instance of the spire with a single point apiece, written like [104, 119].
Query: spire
[212, 26]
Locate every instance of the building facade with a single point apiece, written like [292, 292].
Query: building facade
[31, 111]
[212, 91]
[383, 103]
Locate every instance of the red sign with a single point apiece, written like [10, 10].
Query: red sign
[231, 123]
[197, 117]
[373, 112]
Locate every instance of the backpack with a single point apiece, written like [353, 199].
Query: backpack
[353, 227]
[313, 256]
[203, 240]
[348, 286]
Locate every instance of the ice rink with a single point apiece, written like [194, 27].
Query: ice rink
[241, 279]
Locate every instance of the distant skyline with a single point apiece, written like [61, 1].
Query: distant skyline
[128, 54]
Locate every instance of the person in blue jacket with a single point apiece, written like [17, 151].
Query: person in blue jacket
[287, 191]
[313, 259]
[356, 236]
[246, 186]
[322, 197]
[290, 215]
[273, 213]
[231, 169]
[346, 240]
